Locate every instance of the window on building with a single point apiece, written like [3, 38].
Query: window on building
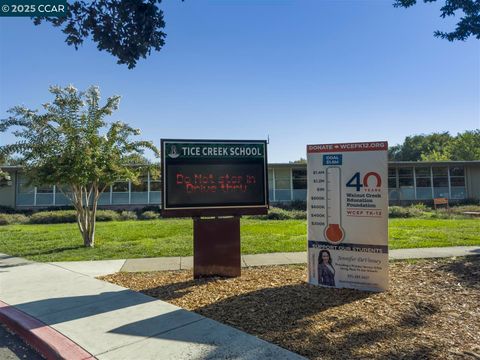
[155, 184]
[424, 182]
[299, 178]
[44, 195]
[142, 186]
[283, 190]
[25, 192]
[120, 186]
[23, 186]
[282, 179]
[457, 182]
[392, 178]
[457, 171]
[44, 189]
[405, 177]
[440, 181]
[405, 183]
[120, 194]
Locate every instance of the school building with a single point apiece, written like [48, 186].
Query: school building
[408, 182]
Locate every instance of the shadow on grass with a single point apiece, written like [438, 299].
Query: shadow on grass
[53, 251]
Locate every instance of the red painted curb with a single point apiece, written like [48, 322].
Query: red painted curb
[47, 341]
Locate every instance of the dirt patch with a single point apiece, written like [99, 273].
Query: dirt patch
[432, 310]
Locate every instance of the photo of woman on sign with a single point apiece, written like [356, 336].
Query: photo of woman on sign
[326, 271]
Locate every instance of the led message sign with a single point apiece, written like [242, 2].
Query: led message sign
[214, 177]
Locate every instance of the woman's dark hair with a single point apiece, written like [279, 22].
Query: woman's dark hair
[329, 256]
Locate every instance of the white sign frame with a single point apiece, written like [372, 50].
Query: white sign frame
[347, 214]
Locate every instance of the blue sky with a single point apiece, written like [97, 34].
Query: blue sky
[300, 72]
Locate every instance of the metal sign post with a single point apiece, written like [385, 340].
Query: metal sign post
[216, 247]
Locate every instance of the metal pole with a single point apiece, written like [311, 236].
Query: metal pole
[414, 183]
[148, 187]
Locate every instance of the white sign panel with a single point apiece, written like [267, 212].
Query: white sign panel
[348, 215]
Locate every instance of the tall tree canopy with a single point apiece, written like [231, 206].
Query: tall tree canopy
[469, 11]
[71, 145]
[438, 146]
[127, 29]
[465, 146]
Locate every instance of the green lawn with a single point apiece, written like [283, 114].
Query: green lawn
[165, 237]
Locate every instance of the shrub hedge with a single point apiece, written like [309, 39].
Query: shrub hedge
[69, 216]
[128, 215]
[7, 219]
[149, 215]
[281, 214]
[275, 213]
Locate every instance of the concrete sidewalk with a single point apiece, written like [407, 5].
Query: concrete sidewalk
[112, 322]
[105, 267]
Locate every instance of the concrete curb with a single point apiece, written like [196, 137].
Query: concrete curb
[48, 342]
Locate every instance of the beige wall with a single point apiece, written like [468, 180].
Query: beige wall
[7, 193]
[473, 181]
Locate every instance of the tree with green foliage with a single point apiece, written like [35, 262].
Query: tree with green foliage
[438, 147]
[71, 145]
[299, 161]
[415, 146]
[437, 155]
[465, 146]
[469, 23]
[5, 178]
[127, 29]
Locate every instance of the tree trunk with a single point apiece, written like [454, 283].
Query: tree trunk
[86, 213]
[87, 229]
[86, 216]
[89, 239]
[92, 221]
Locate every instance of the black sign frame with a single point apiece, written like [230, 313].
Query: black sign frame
[216, 209]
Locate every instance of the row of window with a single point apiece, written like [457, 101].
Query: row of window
[426, 176]
[422, 183]
[285, 184]
[117, 187]
[286, 179]
[397, 177]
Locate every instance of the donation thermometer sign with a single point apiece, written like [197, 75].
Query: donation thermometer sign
[348, 215]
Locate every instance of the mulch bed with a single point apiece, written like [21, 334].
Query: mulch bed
[432, 310]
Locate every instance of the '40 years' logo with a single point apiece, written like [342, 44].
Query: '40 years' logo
[357, 182]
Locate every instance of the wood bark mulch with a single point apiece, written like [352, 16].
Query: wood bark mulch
[431, 311]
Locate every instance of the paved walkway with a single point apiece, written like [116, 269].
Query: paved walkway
[104, 267]
[62, 309]
[112, 322]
